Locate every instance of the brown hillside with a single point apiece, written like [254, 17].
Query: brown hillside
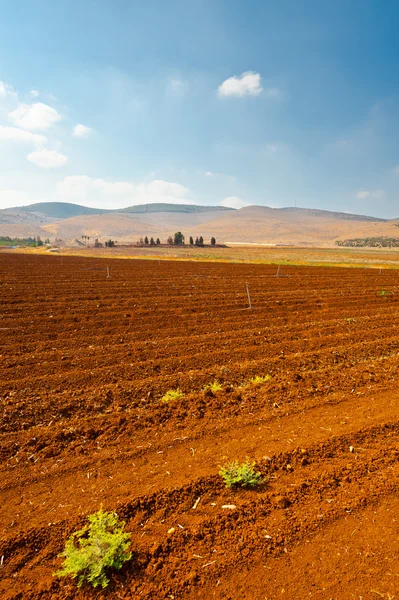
[253, 224]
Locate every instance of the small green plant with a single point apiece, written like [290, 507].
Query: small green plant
[172, 395]
[243, 475]
[214, 387]
[257, 380]
[384, 293]
[97, 547]
[350, 320]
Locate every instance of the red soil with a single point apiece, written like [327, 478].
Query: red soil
[84, 363]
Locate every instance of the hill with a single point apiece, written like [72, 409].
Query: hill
[252, 224]
[61, 210]
[65, 210]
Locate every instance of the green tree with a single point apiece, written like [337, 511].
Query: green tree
[213, 241]
[178, 238]
[158, 241]
[201, 241]
[191, 241]
[146, 240]
[152, 242]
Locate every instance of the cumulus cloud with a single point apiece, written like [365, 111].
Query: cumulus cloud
[47, 159]
[34, 116]
[14, 198]
[248, 84]
[233, 202]
[158, 187]
[13, 134]
[79, 186]
[81, 131]
[100, 192]
[6, 90]
[371, 194]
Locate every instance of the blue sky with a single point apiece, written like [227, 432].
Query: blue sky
[117, 102]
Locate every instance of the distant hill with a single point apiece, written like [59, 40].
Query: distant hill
[65, 210]
[61, 210]
[252, 224]
[315, 212]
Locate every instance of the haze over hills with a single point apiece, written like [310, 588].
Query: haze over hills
[252, 224]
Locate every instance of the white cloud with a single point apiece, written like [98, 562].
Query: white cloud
[6, 90]
[13, 134]
[371, 194]
[80, 186]
[47, 159]
[158, 187]
[118, 194]
[34, 116]
[396, 170]
[248, 84]
[34, 93]
[233, 202]
[81, 131]
[14, 198]
[112, 187]
[209, 174]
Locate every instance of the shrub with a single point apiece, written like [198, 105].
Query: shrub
[214, 387]
[99, 546]
[243, 475]
[172, 395]
[257, 380]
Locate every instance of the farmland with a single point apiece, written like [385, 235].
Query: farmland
[85, 362]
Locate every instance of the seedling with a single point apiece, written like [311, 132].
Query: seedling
[97, 547]
[214, 387]
[244, 475]
[384, 293]
[258, 379]
[172, 395]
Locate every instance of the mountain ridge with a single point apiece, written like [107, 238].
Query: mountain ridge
[251, 224]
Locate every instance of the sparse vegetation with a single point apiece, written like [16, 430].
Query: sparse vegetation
[214, 387]
[371, 242]
[243, 475]
[384, 293]
[172, 395]
[350, 320]
[258, 379]
[101, 545]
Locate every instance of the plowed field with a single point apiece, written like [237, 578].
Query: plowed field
[84, 363]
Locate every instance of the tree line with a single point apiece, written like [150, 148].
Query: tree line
[177, 240]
